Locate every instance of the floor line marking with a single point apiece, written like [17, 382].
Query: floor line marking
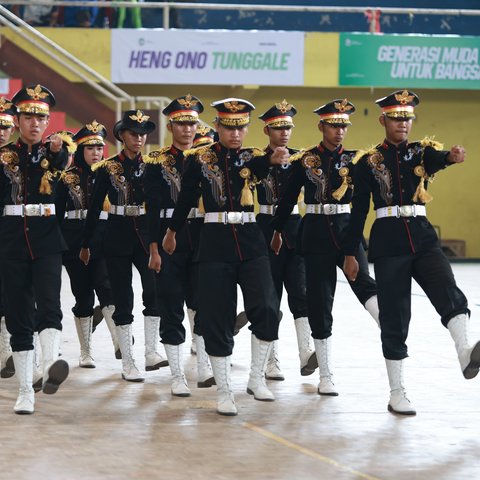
[306, 451]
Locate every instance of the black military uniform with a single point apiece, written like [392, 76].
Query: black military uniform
[403, 244]
[176, 279]
[205, 135]
[326, 177]
[126, 239]
[73, 198]
[232, 247]
[162, 181]
[31, 247]
[288, 267]
[7, 368]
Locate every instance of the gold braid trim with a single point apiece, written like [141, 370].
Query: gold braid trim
[157, 157]
[361, 153]
[430, 142]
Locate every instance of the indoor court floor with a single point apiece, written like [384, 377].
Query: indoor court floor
[100, 427]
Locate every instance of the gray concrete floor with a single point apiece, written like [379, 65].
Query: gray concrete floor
[100, 427]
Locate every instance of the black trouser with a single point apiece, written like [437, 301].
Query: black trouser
[2, 307]
[288, 269]
[172, 285]
[120, 276]
[218, 302]
[432, 271]
[85, 281]
[32, 297]
[321, 274]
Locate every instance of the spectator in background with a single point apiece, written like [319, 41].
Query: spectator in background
[40, 15]
[80, 16]
[134, 14]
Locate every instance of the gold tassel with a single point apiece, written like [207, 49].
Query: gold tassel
[201, 206]
[45, 187]
[341, 190]
[247, 196]
[421, 194]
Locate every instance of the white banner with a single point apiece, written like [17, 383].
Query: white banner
[207, 57]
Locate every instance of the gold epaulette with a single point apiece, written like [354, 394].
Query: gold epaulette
[66, 172]
[157, 156]
[8, 155]
[194, 150]
[430, 142]
[197, 152]
[296, 156]
[100, 164]
[361, 153]
[256, 152]
[71, 145]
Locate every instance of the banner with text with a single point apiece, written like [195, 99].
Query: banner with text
[426, 61]
[207, 57]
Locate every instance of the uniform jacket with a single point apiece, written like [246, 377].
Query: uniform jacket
[269, 191]
[162, 183]
[74, 192]
[391, 175]
[122, 180]
[21, 174]
[323, 174]
[215, 172]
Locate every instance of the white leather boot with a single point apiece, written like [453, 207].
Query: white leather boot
[153, 359]
[37, 380]
[468, 355]
[24, 373]
[55, 370]
[308, 358]
[273, 372]
[191, 321]
[399, 403]
[107, 315]
[323, 349]
[84, 332]
[225, 400]
[130, 372]
[7, 368]
[175, 360]
[371, 306]
[256, 382]
[205, 377]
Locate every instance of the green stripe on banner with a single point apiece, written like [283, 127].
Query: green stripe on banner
[424, 61]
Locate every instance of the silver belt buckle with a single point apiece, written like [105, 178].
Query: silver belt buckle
[234, 217]
[132, 210]
[329, 209]
[31, 210]
[407, 211]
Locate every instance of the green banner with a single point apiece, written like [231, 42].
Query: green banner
[401, 61]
